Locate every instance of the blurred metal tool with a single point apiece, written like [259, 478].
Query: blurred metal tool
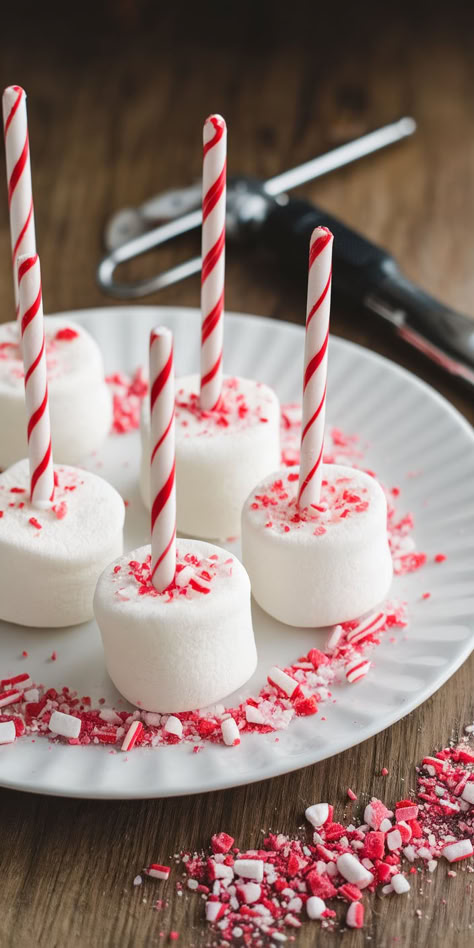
[262, 214]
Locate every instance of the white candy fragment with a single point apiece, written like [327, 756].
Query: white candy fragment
[7, 732]
[394, 840]
[400, 884]
[468, 793]
[249, 869]
[315, 907]
[453, 852]
[65, 724]
[249, 892]
[276, 676]
[317, 814]
[352, 870]
[253, 715]
[213, 911]
[230, 732]
[174, 726]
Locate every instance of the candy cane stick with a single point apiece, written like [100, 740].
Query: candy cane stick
[315, 366]
[20, 195]
[163, 480]
[36, 385]
[213, 259]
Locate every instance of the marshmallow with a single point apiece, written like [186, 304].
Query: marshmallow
[352, 870]
[315, 907]
[320, 566]
[56, 555]
[79, 400]
[220, 455]
[184, 648]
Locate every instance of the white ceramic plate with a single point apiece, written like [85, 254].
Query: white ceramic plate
[410, 429]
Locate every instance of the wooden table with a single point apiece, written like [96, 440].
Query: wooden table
[116, 103]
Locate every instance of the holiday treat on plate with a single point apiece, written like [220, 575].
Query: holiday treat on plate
[59, 526]
[79, 400]
[314, 540]
[174, 617]
[227, 428]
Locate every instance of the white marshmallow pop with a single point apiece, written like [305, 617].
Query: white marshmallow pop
[50, 560]
[184, 648]
[79, 400]
[324, 564]
[220, 454]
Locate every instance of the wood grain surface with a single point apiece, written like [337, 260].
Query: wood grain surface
[117, 94]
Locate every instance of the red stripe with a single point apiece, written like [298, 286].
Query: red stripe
[163, 496]
[26, 265]
[165, 552]
[210, 199]
[163, 436]
[37, 415]
[210, 375]
[310, 476]
[313, 418]
[315, 362]
[161, 379]
[18, 170]
[31, 312]
[34, 364]
[40, 470]
[22, 232]
[212, 256]
[21, 93]
[318, 245]
[219, 129]
[316, 306]
[212, 319]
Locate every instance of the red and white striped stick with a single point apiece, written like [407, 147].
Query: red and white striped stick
[162, 459]
[36, 384]
[315, 366]
[213, 259]
[20, 195]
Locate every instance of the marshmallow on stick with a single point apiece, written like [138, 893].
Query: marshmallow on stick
[227, 428]
[20, 194]
[213, 258]
[80, 403]
[314, 540]
[59, 527]
[175, 618]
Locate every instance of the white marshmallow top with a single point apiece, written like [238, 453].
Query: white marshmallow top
[184, 648]
[322, 565]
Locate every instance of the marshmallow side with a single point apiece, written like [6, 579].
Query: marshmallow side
[217, 465]
[50, 560]
[182, 654]
[79, 399]
[307, 579]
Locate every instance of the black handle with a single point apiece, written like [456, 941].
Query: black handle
[367, 275]
[357, 262]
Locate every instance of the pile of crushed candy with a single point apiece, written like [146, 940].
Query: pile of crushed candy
[127, 396]
[299, 689]
[262, 896]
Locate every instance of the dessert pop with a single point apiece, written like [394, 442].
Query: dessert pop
[213, 259]
[20, 194]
